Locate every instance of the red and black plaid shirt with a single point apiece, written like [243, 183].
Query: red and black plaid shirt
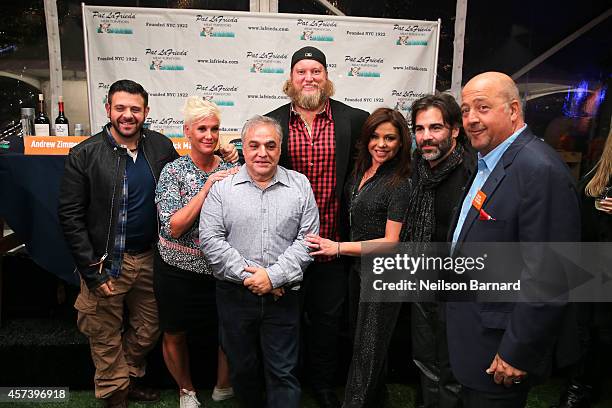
[314, 155]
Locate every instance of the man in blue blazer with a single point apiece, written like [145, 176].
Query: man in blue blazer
[526, 193]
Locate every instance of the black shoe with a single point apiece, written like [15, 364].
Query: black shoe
[137, 392]
[576, 396]
[327, 399]
[116, 400]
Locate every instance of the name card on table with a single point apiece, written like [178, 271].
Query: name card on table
[60, 145]
[50, 145]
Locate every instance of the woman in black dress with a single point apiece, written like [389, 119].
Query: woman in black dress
[379, 193]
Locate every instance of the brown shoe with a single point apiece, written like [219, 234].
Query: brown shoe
[116, 400]
[139, 393]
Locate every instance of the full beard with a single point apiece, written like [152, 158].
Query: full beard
[442, 148]
[135, 133]
[309, 101]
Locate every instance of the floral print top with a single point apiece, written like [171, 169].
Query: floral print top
[178, 183]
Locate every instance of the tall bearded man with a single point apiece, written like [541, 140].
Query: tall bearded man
[320, 140]
[444, 162]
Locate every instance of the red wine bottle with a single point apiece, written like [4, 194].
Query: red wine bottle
[61, 122]
[41, 121]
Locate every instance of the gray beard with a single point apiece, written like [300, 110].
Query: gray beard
[443, 148]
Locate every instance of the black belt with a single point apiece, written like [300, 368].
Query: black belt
[139, 251]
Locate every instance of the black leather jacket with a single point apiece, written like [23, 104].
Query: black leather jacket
[90, 195]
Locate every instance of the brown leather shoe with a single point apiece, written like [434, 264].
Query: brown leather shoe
[116, 400]
[139, 393]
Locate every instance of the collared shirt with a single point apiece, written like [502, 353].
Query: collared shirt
[242, 225]
[486, 164]
[122, 217]
[120, 232]
[312, 152]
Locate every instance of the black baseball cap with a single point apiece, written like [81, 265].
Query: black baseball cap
[311, 53]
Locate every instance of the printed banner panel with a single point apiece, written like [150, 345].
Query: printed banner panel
[241, 60]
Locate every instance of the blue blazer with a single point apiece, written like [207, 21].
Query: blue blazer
[533, 198]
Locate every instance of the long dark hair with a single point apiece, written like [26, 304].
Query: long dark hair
[363, 160]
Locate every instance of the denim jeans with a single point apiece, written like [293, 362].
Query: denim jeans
[260, 334]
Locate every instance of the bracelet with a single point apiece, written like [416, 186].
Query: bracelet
[338, 250]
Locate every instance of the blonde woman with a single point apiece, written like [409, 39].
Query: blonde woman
[184, 286]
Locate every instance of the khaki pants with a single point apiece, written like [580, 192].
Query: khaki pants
[118, 350]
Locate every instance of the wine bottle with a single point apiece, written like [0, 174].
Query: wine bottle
[41, 121]
[61, 122]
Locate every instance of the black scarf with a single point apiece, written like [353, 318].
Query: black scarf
[420, 219]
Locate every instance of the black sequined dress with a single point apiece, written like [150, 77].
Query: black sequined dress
[373, 323]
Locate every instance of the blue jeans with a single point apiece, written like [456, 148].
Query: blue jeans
[259, 334]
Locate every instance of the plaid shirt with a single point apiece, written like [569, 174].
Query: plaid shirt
[119, 246]
[312, 152]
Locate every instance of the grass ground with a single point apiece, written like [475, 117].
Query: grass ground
[401, 396]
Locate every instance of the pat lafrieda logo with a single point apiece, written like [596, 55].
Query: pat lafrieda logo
[113, 15]
[113, 22]
[316, 30]
[357, 72]
[222, 95]
[406, 40]
[405, 99]
[407, 94]
[166, 52]
[168, 121]
[402, 104]
[362, 66]
[104, 87]
[363, 60]
[412, 35]
[165, 59]
[216, 19]
[414, 28]
[168, 126]
[216, 26]
[267, 55]
[311, 35]
[266, 62]
[213, 32]
[160, 65]
[262, 68]
[216, 88]
[316, 23]
[108, 28]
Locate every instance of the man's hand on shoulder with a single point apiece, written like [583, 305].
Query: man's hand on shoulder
[504, 372]
[259, 282]
[229, 153]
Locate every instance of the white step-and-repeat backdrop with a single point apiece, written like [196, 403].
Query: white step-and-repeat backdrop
[240, 60]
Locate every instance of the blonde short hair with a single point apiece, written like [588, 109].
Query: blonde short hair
[197, 108]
